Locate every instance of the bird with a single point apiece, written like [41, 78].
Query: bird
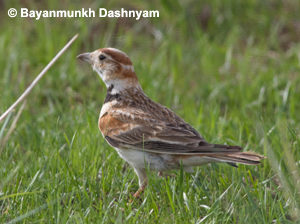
[146, 134]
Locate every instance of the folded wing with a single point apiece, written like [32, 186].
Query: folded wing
[158, 136]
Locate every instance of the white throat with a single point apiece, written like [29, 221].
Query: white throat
[118, 84]
[102, 75]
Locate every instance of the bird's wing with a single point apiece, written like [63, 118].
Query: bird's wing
[139, 130]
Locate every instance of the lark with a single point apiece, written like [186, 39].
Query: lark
[147, 134]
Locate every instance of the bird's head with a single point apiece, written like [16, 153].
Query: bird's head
[113, 66]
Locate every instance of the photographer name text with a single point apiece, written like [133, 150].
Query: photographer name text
[83, 13]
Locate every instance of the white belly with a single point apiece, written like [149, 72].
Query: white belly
[140, 159]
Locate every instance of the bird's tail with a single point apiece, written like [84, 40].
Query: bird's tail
[232, 154]
[248, 158]
[208, 153]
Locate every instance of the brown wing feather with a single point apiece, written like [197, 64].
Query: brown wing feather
[145, 133]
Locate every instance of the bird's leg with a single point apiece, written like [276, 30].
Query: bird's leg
[139, 191]
[141, 173]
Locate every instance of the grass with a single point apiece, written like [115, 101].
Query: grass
[231, 69]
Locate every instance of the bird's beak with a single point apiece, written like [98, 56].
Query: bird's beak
[85, 57]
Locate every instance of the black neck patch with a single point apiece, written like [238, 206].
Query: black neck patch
[110, 88]
[110, 97]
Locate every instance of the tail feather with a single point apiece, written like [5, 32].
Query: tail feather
[232, 155]
[248, 158]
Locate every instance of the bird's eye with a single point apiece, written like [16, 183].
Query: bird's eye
[101, 57]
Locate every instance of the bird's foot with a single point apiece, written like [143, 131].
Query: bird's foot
[139, 191]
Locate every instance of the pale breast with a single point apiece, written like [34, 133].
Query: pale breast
[104, 120]
[106, 107]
